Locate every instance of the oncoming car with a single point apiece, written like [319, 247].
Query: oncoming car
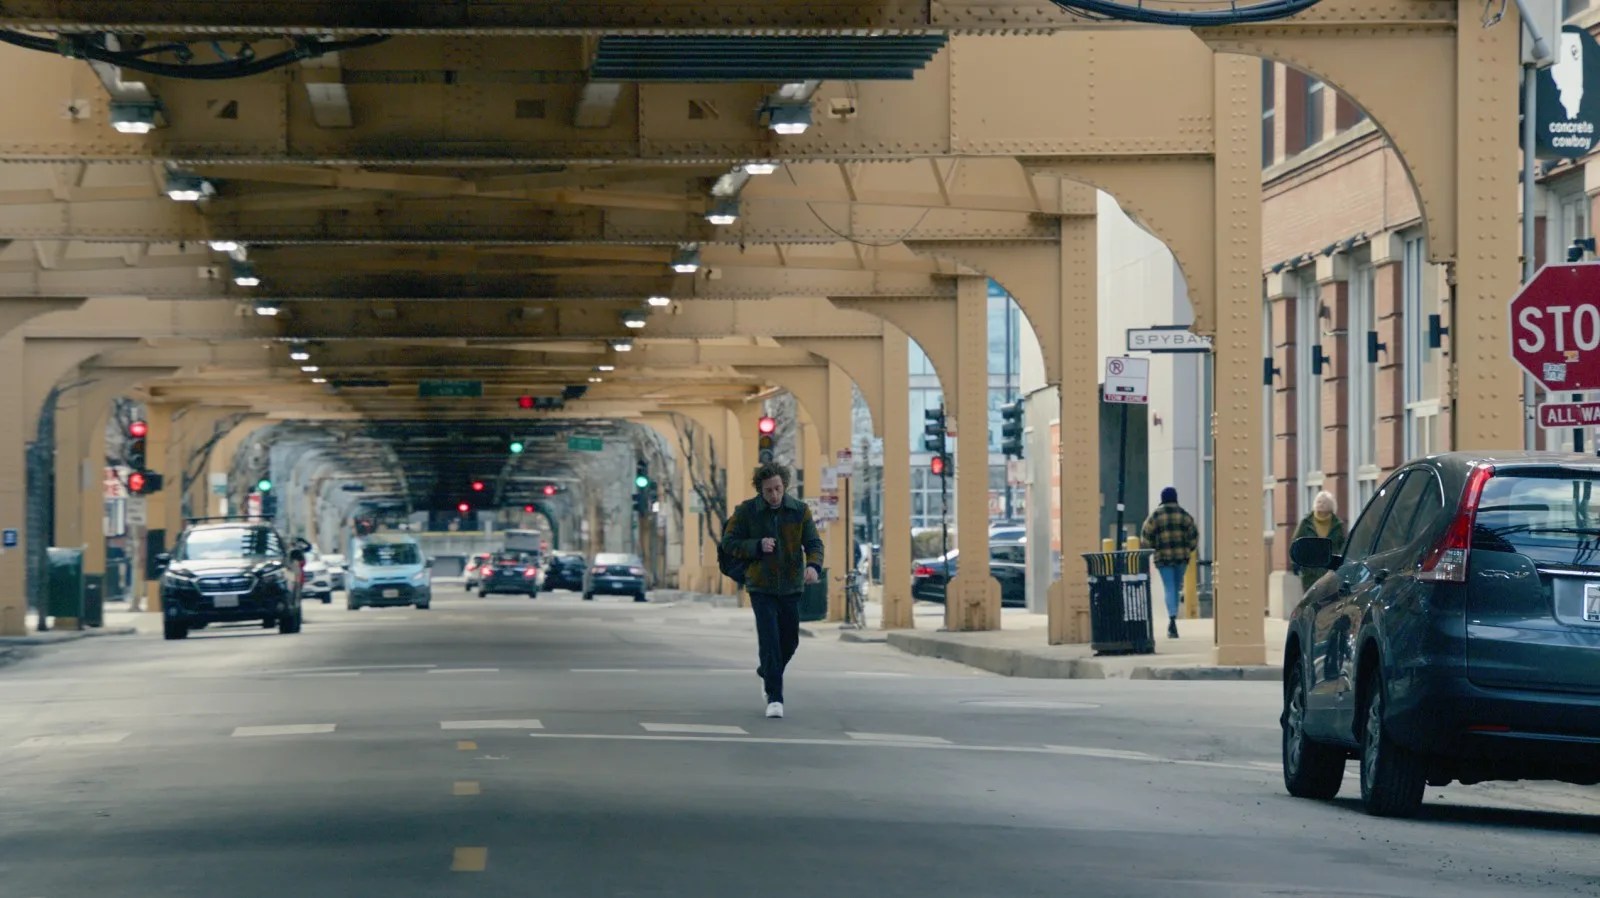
[389, 570]
[614, 574]
[223, 572]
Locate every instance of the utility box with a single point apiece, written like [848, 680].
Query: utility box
[64, 586]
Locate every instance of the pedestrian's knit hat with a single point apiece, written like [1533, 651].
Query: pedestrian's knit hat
[1170, 494]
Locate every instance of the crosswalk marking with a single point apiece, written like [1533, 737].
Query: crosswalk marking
[706, 728]
[289, 729]
[490, 725]
[897, 737]
[72, 739]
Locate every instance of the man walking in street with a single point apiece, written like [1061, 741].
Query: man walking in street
[1171, 532]
[773, 536]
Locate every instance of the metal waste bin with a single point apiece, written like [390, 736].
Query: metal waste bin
[814, 600]
[64, 583]
[1119, 603]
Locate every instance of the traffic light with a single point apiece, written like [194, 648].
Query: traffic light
[549, 489]
[463, 508]
[765, 428]
[641, 477]
[477, 486]
[138, 430]
[524, 402]
[933, 432]
[264, 485]
[516, 447]
[527, 509]
[1011, 429]
[134, 449]
[937, 466]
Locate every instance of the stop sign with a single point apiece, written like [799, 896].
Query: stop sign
[1555, 327]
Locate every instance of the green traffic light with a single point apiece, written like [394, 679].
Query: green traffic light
[516, 448]
[265, 486]
[641, 481]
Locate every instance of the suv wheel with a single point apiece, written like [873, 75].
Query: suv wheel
[1310, 769]
[174, 630]
[289, 623]
[1392, 776]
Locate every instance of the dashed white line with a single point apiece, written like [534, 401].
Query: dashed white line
[874, 673]
[706, 728]
[464, 670]
[72, 739]
[331, 673]
[605, 670]
[898, 737]
[288, 729]
[1115, 754]
[490, 725]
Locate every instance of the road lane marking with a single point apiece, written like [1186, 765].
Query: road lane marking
[897, 737]
[466, 745]
[331, 673]
[465, 787]
[490, 725]
[340, 668]
[464, 670]
[469, 860]
[707, 728]
[1115, 754]
[289, 729]
[605, 670]
[874, 673]
[72, 739]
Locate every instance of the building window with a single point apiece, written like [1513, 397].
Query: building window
[1313, 114]
[1269, 112]
[1363, 416]
[1422, 405]
[1346, 113]
[1269, 479]
[1308, 387]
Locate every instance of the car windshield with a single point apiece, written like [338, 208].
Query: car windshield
[605, 558]
[227, 542]
[390, 554]
[1551, 516]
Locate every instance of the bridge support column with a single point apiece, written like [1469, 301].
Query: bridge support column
[895, 566]
[972, 600]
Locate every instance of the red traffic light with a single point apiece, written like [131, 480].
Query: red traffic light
[937, 465]
[136, 483]
[527, 509]
[767, 425]
[138, 429]
[463, 508]
[524, 402]
[549, 489]
[477, 486]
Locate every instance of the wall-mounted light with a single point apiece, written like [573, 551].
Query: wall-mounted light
[760, 168]
[267, 309]
[1319, 361]
[1375, 346]
[1436, 331]
[635, 319]
[135, 116]
[723, 212]
[187, 187]
[686, 260]
[660, 302]
[244, 274]
[622, 345]
[789, 119]
[1269, 371]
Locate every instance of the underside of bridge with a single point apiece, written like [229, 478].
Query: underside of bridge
[284, 217]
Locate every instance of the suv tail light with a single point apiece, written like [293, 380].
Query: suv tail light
[1446, 562]
[531, 572]
[636, 571]
[598, 570]
[922, 570]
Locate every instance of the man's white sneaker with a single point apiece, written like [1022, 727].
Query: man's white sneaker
[775, 709]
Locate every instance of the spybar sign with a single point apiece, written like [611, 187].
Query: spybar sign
[1569, 97]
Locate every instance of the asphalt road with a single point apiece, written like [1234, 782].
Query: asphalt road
[553, 747]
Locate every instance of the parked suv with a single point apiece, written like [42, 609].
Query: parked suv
[389, 569]
[226, 571]
[1457, 635]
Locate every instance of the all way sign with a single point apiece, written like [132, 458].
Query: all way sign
[1568, 414]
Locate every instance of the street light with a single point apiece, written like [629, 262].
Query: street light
[724, 212]
[267, 309]
[134, 116]
[660, 301]
[760, 168]
[622, 345]
[686, 260]
[244, 274]
[187, 187]
[789, 118]
[635, 320]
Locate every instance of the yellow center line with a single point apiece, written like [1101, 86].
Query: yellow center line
[470, 860]
[465, 787]
[466, 745]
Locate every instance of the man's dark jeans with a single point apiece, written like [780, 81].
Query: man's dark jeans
[778, 635]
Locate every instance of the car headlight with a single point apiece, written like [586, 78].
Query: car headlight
[420, 577]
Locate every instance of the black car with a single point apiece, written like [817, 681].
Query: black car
[511, 572]
[228, 571]
[1456, 637]
[1007, 564]
[614, 574]
[565, 571]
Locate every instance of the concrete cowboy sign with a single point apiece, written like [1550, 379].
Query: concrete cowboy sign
[1569, 97]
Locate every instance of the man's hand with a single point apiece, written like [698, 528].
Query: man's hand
[811, 575]
[769, 545]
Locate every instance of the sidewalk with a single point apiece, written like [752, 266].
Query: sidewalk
[118, 622]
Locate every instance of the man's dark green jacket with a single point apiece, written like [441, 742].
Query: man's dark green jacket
[783, 572]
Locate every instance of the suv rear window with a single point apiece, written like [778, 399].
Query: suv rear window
[1551, 516]
[388, 554]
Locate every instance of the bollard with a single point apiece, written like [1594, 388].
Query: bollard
[1191, 588]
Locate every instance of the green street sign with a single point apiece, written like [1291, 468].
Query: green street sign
[586, 444]
[450, 389]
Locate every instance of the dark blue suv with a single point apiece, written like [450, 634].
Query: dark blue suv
[1456, 638]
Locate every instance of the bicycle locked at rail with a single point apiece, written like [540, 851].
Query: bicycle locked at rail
[855, 602]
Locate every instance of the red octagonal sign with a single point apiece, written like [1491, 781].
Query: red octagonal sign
[1555, 327]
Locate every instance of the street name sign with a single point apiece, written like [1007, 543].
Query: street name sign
[1569, 414]
[586, 444]
[450, 389]
[1127, 380]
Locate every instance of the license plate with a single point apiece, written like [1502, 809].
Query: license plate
[391, 593]
[225, 601]
[1591, 602]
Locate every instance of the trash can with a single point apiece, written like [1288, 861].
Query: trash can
[814, 601]
[94, 602]
[1119, 603]
[64, 583]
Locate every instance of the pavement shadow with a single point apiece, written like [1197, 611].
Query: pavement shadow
[1479, 816]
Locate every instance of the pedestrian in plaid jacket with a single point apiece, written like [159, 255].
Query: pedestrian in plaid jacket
[1171, 532]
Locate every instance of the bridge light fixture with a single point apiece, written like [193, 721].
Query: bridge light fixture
[225, 246]
[660, 302]
[596, 380]
[686, 260]
[724, 212]
[188, 187]
[635, 319]
[605, 367]
[135, 116]
[760, 168]
[622, 345]
[310, 369]
[267, 309]
[299, 353]
[319, 380]
[789, 119]
[244, 275]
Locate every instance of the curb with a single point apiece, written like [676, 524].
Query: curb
[56, 637]
[1011, 662]
[13, 654]
[864, 636]
[1254, 674]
